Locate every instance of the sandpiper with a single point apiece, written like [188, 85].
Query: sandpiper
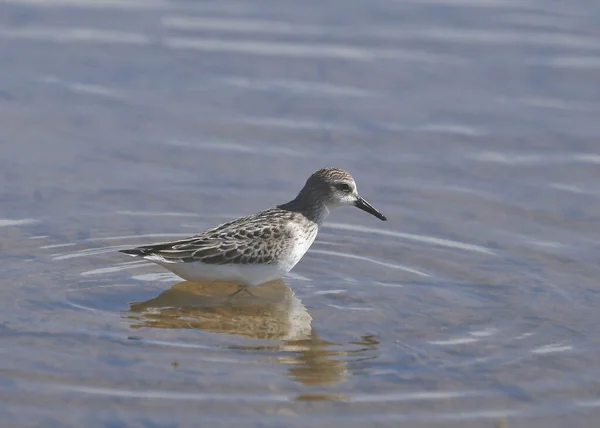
[262, 247]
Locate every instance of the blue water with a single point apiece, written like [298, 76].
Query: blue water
[472, 125]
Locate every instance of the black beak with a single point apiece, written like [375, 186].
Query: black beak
[367, 207]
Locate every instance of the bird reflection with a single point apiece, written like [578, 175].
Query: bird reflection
[272, 312]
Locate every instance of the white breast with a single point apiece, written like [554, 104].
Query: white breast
[302, 241]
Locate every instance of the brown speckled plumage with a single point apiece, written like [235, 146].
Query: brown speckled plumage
[258, 238]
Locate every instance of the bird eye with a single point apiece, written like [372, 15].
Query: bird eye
[344, 187]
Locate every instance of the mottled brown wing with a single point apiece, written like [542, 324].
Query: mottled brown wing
[247, 240]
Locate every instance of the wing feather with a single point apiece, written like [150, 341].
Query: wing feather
[252, 239]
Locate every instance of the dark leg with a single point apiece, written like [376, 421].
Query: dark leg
[239, 290]
[248, 292]
[235, 293]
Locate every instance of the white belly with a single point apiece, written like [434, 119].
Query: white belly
[247, 274]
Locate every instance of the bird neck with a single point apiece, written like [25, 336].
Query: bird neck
[311, 208]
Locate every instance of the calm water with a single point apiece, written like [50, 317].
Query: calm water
[473, 125]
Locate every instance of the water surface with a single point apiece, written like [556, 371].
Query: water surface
[472, 125]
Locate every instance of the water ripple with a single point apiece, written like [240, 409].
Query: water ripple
[95, 4]
[412, 237]
[298, 87]
[308, 50]
[7, 222]
[370, 260]
[64, 35]
[437, 34]
[172, 395]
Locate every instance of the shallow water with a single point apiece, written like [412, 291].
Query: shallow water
[472, 125]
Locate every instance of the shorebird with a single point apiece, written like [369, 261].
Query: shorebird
[261, 247]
